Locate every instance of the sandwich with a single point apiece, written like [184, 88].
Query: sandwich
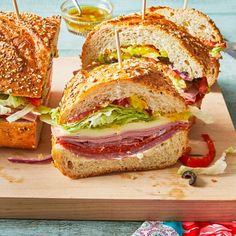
[190, 66]
[197, 24]
[27, 46]
[114, 120]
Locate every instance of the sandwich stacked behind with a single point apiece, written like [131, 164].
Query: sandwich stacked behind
[27, 46]
[192, 67]
[113, 120]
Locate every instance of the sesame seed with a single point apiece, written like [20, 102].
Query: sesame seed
[45, 40]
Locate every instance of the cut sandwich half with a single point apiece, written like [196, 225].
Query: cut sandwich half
[27, 46]
[114, 120]
[157, 38]
[197, 24]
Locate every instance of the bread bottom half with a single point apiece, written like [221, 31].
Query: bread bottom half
[20, 134]
[162, 155]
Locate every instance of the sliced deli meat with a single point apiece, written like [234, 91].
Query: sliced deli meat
[117, 146]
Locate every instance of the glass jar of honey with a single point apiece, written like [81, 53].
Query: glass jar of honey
[93, 13]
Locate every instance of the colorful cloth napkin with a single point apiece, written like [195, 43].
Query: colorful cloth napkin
[159, 228]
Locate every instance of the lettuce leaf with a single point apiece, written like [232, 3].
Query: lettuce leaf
[42, 110]
[109, 116]
[12, 101]
[48, 115]
[215, 52]
[206, 118]
[106, 117]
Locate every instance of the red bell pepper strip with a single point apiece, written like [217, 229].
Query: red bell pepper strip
[204, 161]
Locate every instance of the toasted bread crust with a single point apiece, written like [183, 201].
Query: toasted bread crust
[26, 46]
[161, 156]
[144, 72]
[20, 134]
[215, 37]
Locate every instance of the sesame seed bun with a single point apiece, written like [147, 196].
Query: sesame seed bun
[106, 83]
[26, 48]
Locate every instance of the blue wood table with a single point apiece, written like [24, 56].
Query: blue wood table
[223, 12]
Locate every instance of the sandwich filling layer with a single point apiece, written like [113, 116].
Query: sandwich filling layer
[117, 146]
[124, 128]
[191, 89]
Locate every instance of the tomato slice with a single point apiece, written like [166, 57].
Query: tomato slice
[82, 115]
[35, 101]
[123, 102]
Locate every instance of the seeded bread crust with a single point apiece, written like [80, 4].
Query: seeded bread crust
[193, 21]
[104, 84]
[161, 156]
[20, 134]
[185, 51]
[26, 48]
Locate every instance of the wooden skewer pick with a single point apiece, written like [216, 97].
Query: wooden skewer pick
[118, 48]
[143, 9]
[16, 9]
[185, 4]
[77, 7]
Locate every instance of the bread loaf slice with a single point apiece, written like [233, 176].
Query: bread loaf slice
[193, 21]
[186, 52]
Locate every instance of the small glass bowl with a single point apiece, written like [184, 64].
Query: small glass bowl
[74, 24]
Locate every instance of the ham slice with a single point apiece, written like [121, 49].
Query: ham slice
[118, 146]
[190, 94]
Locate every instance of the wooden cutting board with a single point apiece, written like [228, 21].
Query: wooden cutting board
[41, 191]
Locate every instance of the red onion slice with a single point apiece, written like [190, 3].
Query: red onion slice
[36, 160]
[183, 75]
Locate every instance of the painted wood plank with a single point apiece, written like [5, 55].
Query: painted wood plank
[227, 82]
[53, 6]
[66, 228]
